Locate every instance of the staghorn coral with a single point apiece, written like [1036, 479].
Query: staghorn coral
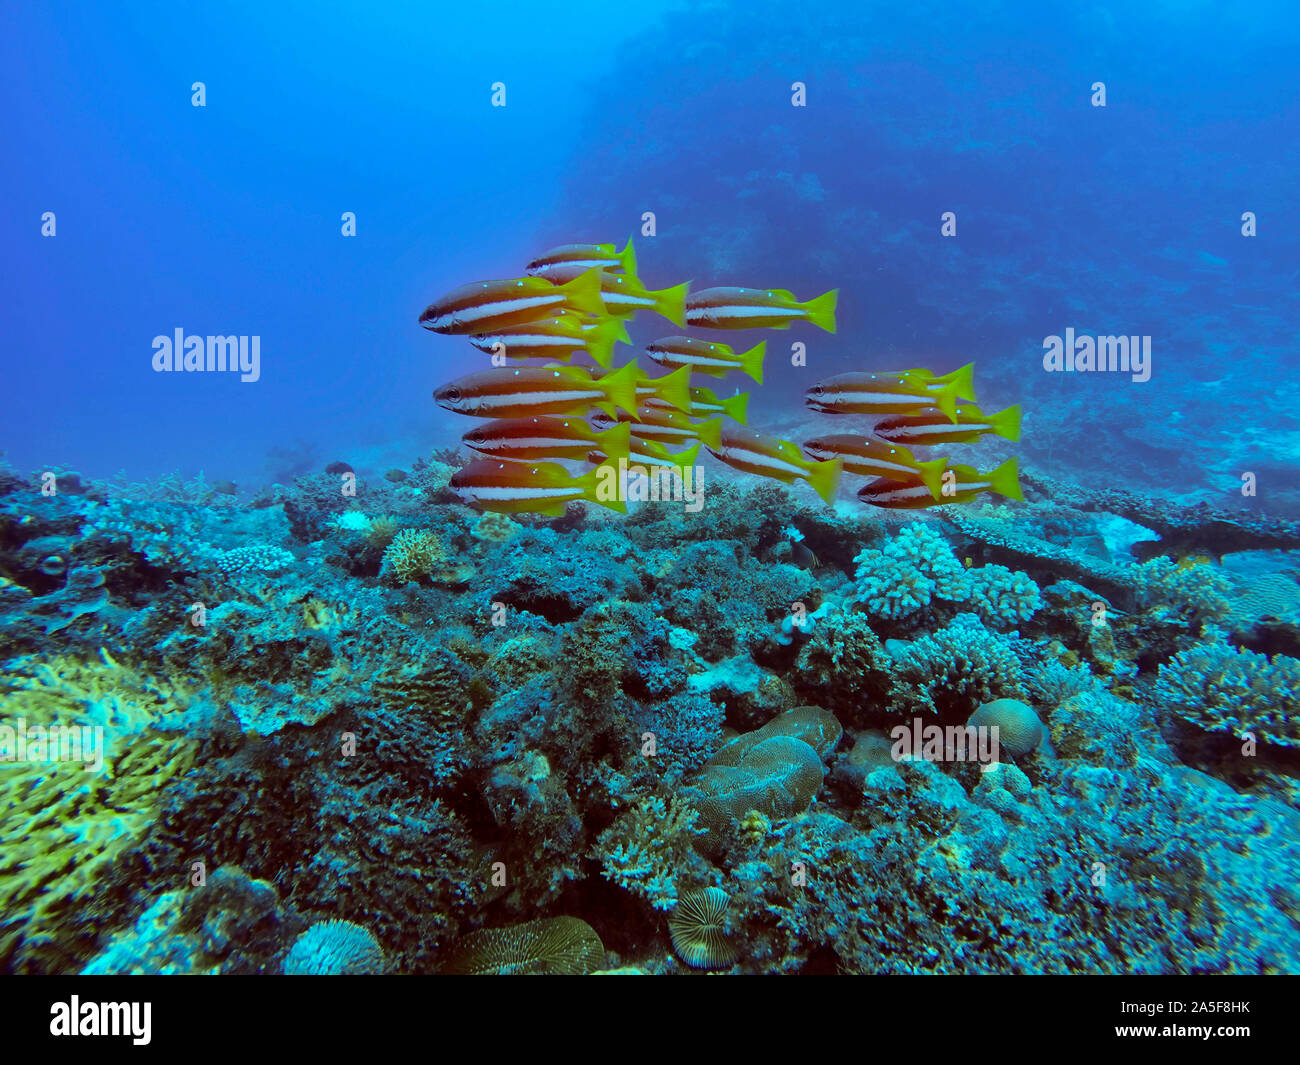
[551, 946]
[335, 948]
[698, 928]
[650, 847]
[1219, 688]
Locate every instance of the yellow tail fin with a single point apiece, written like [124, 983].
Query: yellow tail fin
[821, 311]
[1005, 480]
[616, 441]
[710, 432]
[582, 294]
[963, 379]
[675, 388]
[687, 457]
[946, 400]
[671, 302]
[620, 390]
[1007, 422]
[736, 407]
[601, 340]
[627, 258]
[931, 474]
[751, 361]
[602, 485]
[825, 477]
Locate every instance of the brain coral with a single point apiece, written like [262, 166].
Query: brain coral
[1019, 730]
[1221, 688]
[334, 948]
[778, 777]
[557, 946]
[698, 927]
[815, 726]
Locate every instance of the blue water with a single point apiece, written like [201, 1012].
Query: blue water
[977, 181]
[225, 218]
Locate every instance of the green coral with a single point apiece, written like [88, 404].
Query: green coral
[65, 824]
[649, 847]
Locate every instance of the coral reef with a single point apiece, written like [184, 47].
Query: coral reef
[399, 734]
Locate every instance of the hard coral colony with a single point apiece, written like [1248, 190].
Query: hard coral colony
[771, 735]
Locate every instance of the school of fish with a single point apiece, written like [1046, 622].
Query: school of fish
[540, 409]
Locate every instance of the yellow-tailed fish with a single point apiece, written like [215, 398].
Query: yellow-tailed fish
[706, 357]
[868, 457]
[931, 426]
[769, 456]
[537, 487]
[571, 260]
[879, 393]
[624, 295]
[556, 338]
[547, 437]
[966, 484]
[486, 306]
[758, 308]
[525, 391]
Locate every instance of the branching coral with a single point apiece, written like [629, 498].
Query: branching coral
[954, 670]
[416, 555]
[918, 566]
[65, 823]
[649, 848]
[1220, 688]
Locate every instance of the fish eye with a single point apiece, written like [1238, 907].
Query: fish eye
[816, 390]
[452, 394]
